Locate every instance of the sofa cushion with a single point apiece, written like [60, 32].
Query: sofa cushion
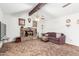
[51, 34]
[58, 35]
[52, 38]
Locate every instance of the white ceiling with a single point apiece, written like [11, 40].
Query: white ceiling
[53, 9]
[10, 8]
[56, 9]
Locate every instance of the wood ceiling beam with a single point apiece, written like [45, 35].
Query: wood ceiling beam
[36, 8]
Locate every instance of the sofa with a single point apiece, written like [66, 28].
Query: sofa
[57, 38]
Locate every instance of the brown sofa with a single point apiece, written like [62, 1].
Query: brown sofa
[58, 38]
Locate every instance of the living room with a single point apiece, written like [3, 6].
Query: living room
[62, 18]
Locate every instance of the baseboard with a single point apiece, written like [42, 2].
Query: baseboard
[74, 44]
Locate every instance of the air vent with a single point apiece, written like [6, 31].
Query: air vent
[66, 5]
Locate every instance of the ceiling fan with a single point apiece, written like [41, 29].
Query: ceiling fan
[66, 5]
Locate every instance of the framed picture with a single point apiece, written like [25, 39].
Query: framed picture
[68, 21]
[21, 22]
[78, 21]
[68, 25]
[34, 23]
[29, 20]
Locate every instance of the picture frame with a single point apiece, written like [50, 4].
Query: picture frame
[68, 21]
[78, 21]
[29, 20]
[21, 22]
[68, 25]
[34, 23]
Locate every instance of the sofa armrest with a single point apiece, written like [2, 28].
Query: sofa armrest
[61, 39]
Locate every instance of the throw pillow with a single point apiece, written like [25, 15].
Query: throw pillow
[46, 34]
[58, 35]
